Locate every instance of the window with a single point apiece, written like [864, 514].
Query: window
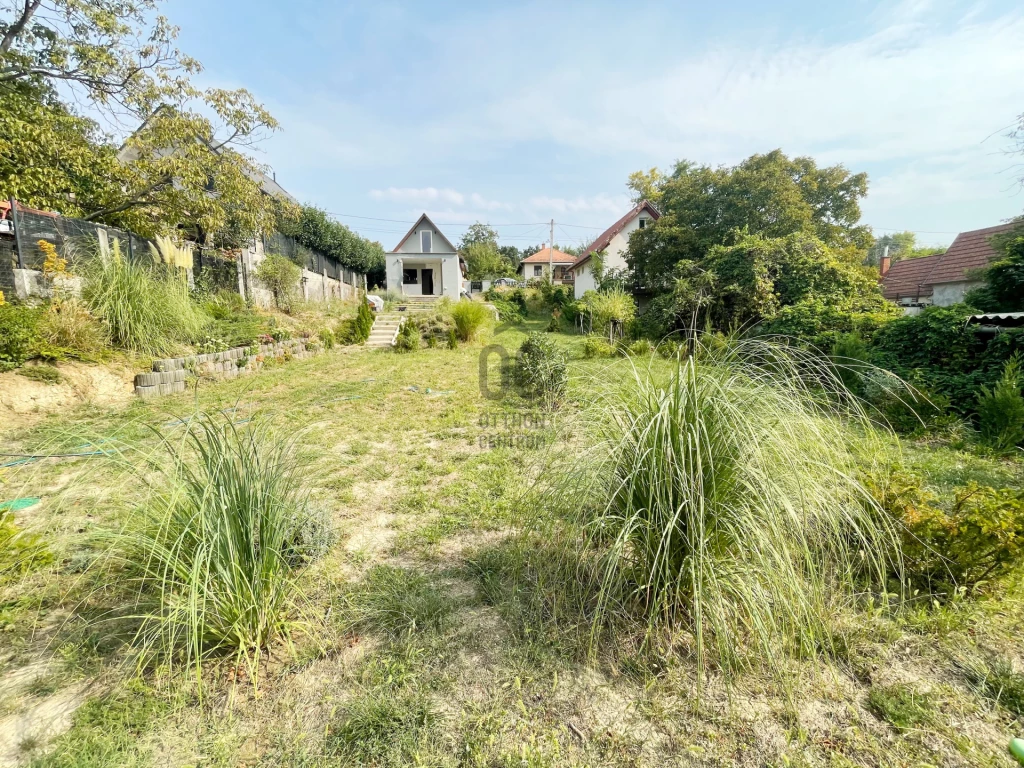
[410, 277]
[538, 270]
[643, 223]
[425, 240]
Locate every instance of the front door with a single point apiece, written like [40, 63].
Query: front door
[428, 282]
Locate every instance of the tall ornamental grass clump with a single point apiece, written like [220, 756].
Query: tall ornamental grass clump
[722, 507]
[217, 548]
[144, 307]
[469, 318]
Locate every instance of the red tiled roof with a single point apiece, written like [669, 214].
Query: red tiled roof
[908, 278]
[557, 257]
[970, 251]
[605, 237]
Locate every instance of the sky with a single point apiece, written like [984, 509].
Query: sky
[515, 113]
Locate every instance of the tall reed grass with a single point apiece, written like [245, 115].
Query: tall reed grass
[469, 318]
[722, 507]
[217, 548]
[144, 307]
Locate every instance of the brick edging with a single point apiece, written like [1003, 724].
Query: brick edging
[169, 375]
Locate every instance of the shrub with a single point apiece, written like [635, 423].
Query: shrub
[223, 304]
[595, 346]
[326, 336]
[145, 308]
[18, 333]
[720, 502]
[507, 311]
[453, 339]
[641, 348]
[408, 337]
[469, 317]
[850, 358]
[214, 549]
[68, 325]
[356, 330]
[540, 370]
[607, 308]
[280, 275]
[979, 539]
[1001, 409]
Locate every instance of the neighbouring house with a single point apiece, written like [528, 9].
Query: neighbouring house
[942, 279]
[538, 266]
[425, 263]
[613, 244]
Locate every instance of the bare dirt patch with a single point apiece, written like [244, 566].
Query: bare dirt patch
[24, 401]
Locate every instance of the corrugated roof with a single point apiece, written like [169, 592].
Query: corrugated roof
[606, 237]
[557, 257]
[969, 252]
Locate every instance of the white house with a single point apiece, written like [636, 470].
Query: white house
[424, 263]
[614, 242]
[537, 265]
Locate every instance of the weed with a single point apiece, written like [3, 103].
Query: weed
[398, 601]
[997, 680]
[43, 373]
[901, 706]
[382, 727]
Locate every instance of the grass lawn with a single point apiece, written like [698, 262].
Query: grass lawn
[422, 651]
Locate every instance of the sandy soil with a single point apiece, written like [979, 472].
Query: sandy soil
[24, 401]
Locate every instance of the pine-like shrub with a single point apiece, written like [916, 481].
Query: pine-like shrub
[1001, 409]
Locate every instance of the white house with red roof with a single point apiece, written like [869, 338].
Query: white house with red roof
[944, 278]
[548, 260]
[425, 263]
[613, 243]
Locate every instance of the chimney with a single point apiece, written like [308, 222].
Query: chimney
[884, 262]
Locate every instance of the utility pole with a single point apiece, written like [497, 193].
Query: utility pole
[551, 254]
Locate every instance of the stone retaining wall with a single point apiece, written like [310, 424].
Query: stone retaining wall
[170, 375]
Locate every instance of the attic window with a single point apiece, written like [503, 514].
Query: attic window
[643, 223]
[425, 241]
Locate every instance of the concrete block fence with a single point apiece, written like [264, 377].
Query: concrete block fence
[170, 375]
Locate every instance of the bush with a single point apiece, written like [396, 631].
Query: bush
[408, 337]
[68, 325]
[1001, 409]
[453, 339]
[280, 275]
[640, 348]
[469, 317]
[607, 308]
[145, 308]
[595, 346]
[850, 358]
[978, 540]
[720, 503]
[326, 336]
[214, 549]
[223, 304]
[18, 333]
[540, 370]
[356, 330]
[508, 312]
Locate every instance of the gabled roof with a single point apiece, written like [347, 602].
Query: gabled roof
[556, 257]
[969, 252]
[419, 221]
[908, 278]
[606, 237]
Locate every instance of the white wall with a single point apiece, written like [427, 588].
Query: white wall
[585, 279]
[447, 276]
[945, 294]
[615, 253]
[412, 243]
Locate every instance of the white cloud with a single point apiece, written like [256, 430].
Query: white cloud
[424, 196]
